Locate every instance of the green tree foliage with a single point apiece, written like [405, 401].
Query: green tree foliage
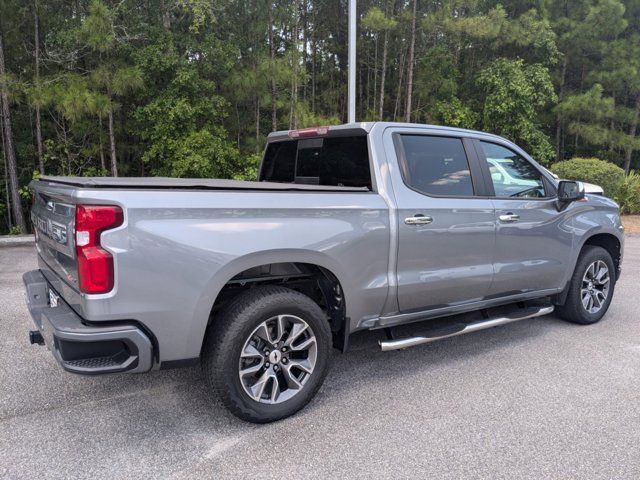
[192, 87]
[515, 94]
[628, 194]
[182, 122]
[591, 170]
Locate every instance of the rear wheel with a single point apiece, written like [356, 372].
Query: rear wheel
[591, 287]
[268, 353]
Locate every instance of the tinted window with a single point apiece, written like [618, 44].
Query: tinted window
[436, 165]
[279, 162]
[511, 174]
[339, 161]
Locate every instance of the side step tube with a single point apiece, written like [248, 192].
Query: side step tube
[388, 345]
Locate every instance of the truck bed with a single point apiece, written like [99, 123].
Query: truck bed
[162, 183]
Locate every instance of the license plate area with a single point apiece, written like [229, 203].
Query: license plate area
[54, 298]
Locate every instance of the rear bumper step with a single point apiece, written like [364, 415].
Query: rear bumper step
[461, 329]
[81, 348]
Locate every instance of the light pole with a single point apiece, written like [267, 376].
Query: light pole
[352, 62]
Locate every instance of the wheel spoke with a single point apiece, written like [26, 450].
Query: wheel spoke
[305, 345]
[292, 381]
[263, 332]
[275, 389]
[257, 390]
[297, 330]
[303, 365]
[591, 271]
[250, 370]
[280, 328]
[602, 272]
[250, 352]
[586, 297]
[596, 301]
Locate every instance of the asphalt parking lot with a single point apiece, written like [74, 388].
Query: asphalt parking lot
[534, 399]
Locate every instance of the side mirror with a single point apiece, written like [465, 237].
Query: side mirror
[570, 191]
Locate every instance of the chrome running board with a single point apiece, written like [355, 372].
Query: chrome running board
[522, 314]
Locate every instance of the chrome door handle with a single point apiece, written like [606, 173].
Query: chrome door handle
[509, 218]
[418, 220]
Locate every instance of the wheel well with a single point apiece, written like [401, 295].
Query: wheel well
[316, 282]
[611, 244]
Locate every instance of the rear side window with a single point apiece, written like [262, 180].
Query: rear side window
[338, 161]
[436, 166]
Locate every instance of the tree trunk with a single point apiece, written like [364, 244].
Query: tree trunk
[632, 133]
[612, 123]
[293, 120]
[165, 10]
[112, 144]
[399, 92]
[383, 74]
[304, 12]
[258, 146]
[274, 92]
[558, 117]
[368, 56]
[10, 152]
[6, 177]
[360, 89]
[36, 23]
[375, 74]
[412, 47]
[102, 164]
[313, 61]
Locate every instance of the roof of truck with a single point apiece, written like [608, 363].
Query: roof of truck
[365, 127]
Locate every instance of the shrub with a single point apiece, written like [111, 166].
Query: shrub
[628, 194]
[591, 170]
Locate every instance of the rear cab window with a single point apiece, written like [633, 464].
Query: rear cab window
[331, 161]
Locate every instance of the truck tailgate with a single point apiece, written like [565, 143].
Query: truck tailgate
[53, 217]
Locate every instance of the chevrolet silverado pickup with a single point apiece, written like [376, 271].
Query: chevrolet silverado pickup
[422, 232]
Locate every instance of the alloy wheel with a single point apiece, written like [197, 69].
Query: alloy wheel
[595, 286]
[278, 359]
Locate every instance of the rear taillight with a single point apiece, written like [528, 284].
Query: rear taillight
[95, 265]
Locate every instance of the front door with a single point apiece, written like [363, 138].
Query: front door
[446, 231]
[533, 244]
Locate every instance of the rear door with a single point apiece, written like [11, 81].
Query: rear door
[445, 222]
[533, 246]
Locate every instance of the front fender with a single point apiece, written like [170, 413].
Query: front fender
[599, 215]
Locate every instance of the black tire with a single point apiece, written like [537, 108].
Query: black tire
[573, 309]
[233, 327]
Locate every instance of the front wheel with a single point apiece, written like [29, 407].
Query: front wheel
[268, 353]
[591, 287]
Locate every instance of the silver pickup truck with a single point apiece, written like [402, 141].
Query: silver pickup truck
[355, 227]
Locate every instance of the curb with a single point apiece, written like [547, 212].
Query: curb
[15, 240]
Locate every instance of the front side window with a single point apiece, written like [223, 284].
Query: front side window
[436, 166]
[511, 174]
